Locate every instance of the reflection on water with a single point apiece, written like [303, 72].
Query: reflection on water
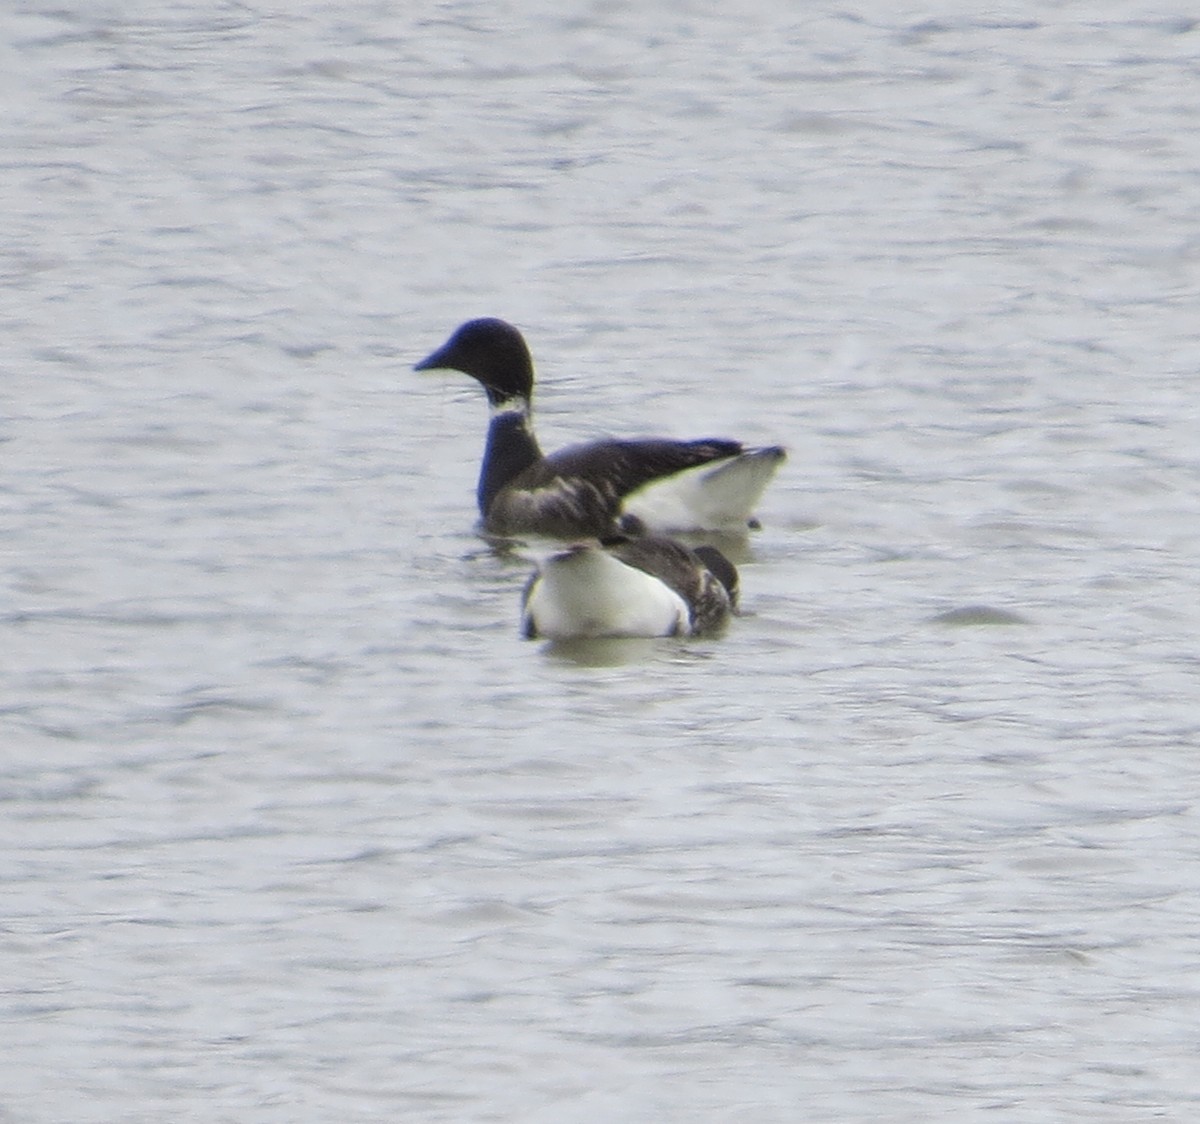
[605, 651]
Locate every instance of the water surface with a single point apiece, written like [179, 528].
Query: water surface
[297, 827]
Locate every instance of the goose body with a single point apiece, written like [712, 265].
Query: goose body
[602, 487]
[643, 587]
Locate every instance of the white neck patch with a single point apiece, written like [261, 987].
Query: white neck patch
[511, 407]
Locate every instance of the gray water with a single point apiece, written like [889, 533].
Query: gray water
[296, 828]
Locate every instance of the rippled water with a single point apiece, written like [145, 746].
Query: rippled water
[297, 828]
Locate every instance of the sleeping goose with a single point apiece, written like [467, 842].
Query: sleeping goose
[629, 587]
[602, 487]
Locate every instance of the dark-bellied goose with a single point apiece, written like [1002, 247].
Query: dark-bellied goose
[602, 487]
[629, 587]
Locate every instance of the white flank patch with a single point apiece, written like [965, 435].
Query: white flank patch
[588, 593]
[719, 496]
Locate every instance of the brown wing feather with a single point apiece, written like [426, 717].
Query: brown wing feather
[626, 465]
[706, 584]
[578, 490]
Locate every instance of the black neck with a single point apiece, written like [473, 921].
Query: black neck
[511, 448]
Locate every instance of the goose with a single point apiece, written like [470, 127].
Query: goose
[629, 587]
[603, 487]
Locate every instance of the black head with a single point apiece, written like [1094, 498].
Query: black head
[491, 351]
[721, 568]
